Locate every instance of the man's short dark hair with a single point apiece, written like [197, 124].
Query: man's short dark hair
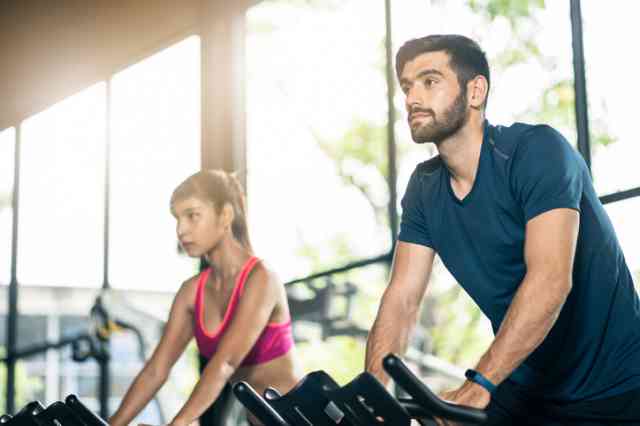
[466, 58]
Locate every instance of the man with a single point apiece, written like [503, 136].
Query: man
[513, 215]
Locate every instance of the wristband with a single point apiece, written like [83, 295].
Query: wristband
[478, 378]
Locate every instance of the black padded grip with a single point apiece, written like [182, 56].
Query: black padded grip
[81, 411]
[27, 415]
[257, 406]
[422, 395]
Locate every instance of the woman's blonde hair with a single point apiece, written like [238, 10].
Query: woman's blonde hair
[219, 188]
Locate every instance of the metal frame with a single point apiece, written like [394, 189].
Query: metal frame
[580, 86]
[620, 196]
[392, 179]
[107, 185]
[103, 365]
[12, 322]
[383, 258]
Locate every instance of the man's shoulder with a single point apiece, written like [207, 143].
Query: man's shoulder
[424, 177]
[429, 167]
[507, 139]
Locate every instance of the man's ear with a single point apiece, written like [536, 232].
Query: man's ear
[478, 89]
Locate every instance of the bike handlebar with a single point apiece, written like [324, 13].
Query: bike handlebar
[425, 398]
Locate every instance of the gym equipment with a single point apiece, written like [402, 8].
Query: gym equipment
[317, 400]
[109, 314]
[71, 412]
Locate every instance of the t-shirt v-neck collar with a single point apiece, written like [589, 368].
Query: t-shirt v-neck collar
[467, 198]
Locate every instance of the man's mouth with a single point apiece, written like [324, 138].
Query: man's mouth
[415, 119]
[415, 115]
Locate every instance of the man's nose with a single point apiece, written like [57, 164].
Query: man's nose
[413, 99]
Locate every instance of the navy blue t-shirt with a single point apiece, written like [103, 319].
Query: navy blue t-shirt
[593, 350]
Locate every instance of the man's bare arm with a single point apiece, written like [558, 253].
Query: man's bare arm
[400, 304]
[549, 251]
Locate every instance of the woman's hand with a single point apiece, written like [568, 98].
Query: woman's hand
[180, 422]
[174, 422]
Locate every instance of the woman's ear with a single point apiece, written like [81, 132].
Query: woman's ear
[227, 215]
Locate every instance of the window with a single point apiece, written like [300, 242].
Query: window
[610, 69]
[316, 138]
[155, 134]
[624, 216]
[155, 145]
[31, 372]
[62, 192]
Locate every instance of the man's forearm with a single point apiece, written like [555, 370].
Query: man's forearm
[390, 333]
[533, 312]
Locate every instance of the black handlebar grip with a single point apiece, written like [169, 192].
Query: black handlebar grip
[257, 406]
[421, 394]
[81, 410]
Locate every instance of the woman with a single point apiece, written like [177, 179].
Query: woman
[236, 308]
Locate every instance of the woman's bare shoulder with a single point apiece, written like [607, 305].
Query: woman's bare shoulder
[186, 294]
[263, 273]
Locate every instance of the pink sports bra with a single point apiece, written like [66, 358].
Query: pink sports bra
[276, 338]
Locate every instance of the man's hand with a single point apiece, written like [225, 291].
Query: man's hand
[469, 394]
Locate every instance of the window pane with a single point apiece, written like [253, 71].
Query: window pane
[7, 147]
[624, 215]
[316, 141]
[610, 87]
[31, 371]
[155, 145]
[60, 236]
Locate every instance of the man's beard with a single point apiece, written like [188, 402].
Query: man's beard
[453, 118]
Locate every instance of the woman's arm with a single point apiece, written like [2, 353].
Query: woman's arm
[258, 301]
[176, 336]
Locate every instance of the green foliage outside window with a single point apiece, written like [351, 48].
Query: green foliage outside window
[25, 386]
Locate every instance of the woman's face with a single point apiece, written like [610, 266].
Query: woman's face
[198, 226]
